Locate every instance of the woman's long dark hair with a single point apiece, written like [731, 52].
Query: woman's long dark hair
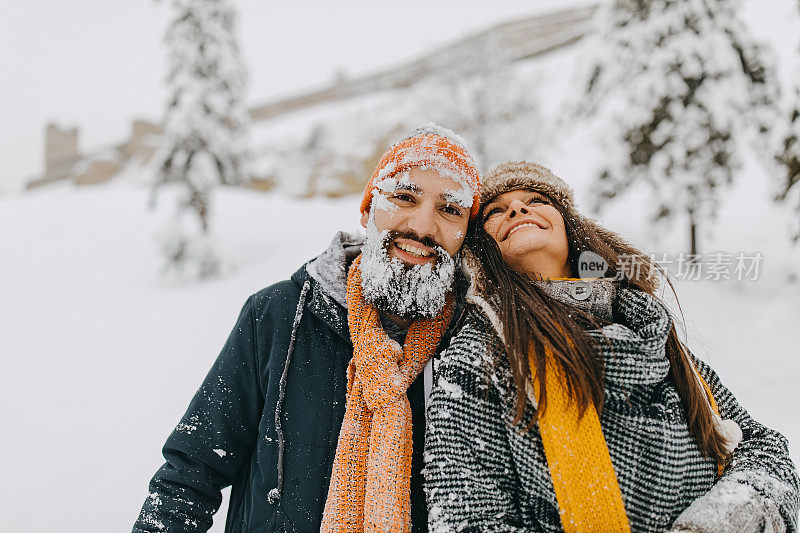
[532, 320]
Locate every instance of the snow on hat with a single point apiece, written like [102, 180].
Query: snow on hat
[515, 175]
[432, 147]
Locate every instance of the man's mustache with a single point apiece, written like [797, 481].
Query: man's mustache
[428, 241]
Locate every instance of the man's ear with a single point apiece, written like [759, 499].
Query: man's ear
[364, 218]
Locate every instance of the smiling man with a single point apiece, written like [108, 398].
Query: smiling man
[314, 411]
[408, 253]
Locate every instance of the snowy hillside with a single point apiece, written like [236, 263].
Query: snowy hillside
[103, 356]
[510, 111]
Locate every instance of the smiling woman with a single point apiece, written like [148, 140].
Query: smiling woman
[529, 231]
[570, 404]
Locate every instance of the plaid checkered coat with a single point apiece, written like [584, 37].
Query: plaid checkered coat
[484, 473]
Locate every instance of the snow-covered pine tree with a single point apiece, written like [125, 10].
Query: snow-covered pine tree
[681, 87]
[204, 140]
[789, 154]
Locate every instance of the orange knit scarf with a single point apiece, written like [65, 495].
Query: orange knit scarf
[370, 488]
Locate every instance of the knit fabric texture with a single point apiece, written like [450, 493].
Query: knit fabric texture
[486, 473]
[370, 483]
[428, 150]
[583, 477]
[515, 175]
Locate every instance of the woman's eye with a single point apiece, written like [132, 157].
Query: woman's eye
[492, 212]
[537, 200]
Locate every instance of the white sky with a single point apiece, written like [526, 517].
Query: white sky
[98, 64]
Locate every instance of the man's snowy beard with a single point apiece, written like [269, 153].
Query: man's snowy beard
[410, 292]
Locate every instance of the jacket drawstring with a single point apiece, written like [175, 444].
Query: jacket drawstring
[275, 494]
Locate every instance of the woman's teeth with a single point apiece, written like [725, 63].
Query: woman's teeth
[413, 250]
[526, 225]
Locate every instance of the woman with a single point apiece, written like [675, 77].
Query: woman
[569, 404]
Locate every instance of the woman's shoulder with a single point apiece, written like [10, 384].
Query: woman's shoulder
[478, 334]
[476, 352]
[474, 367]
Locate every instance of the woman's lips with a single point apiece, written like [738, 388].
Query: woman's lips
[522, 224]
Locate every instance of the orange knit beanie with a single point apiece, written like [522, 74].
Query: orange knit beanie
[431, 147]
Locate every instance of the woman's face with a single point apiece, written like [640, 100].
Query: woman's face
[530, 232]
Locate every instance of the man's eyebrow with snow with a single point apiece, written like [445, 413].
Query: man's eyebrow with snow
[442, 165]
[389, 185]
[462, 197]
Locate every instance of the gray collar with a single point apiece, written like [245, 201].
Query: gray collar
[595, 296]
[633, 346]
[330, 268]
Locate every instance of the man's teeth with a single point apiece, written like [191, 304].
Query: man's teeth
[527, 224]
[413, 250]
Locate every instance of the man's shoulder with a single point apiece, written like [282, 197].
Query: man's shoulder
[280, 297]
[284, 296]
[275, 308]
[282, 289]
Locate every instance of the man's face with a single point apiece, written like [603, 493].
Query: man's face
[425, 211]
[415, 227]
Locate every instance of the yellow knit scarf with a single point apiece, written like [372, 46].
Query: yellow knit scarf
[370, 488]
[586, 487]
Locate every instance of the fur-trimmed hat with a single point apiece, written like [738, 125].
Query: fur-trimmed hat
[434, 147]
[516, 175]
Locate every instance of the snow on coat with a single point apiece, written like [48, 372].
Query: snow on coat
[484, 473]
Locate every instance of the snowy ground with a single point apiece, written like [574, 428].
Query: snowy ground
[102, 355]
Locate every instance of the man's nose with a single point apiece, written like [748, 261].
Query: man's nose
[517, 206]
[422, 223]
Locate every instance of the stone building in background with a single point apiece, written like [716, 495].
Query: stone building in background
[64, 161]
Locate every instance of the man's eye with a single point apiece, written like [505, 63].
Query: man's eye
[403, 197]
[451, 210]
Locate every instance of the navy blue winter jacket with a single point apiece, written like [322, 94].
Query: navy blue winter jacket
[287, 354]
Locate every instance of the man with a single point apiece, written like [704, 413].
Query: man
[314, 411]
